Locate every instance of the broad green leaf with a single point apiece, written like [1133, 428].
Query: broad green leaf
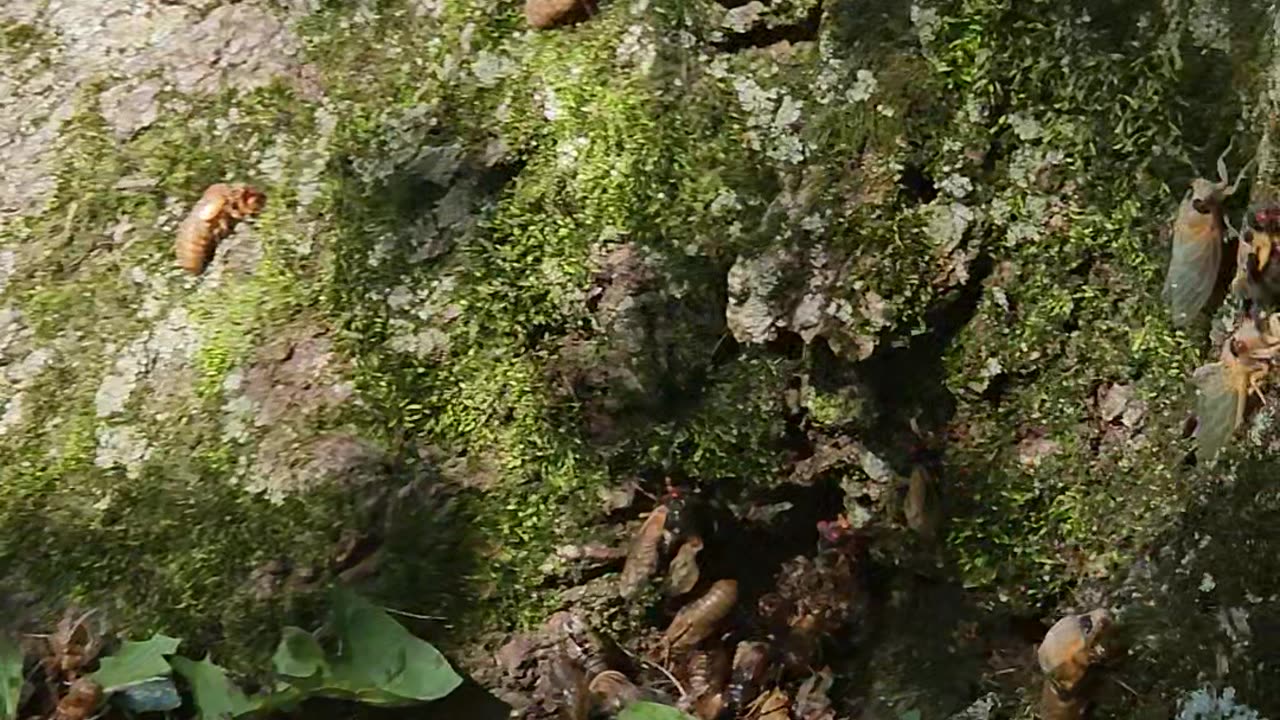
[136, 662]
[382, 661]
[10, 677]
[156, 695]
[910, 715]
[216, 697]
[651, 711]
[299, 654]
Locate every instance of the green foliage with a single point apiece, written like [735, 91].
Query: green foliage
[651, 711]
[11, 676]
[136, 662]
[215, 696]
[377, 660]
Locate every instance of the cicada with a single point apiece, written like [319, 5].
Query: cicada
[1198, 233]
[1257, 278]
[595, 651]
[612, 691]
[569, 689]
[1069, 649]
[707, 673]
[921, 506]
[1223, 387]
[642, 556]
[682, 576]
[750, 663]
[545, 14]
[697, 620]
[81, 700]
[211, 220]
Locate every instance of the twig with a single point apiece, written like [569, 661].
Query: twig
[659, 666]
[1125, 685]
[667, 673]
[66, 225]
[406, 613]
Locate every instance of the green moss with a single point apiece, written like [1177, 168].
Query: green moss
[737, 430]
[23, 41]
[171, 549]
[1070, 306]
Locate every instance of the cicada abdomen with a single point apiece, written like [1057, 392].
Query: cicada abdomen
[212, 219]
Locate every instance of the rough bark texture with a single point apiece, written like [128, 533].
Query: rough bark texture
[502, 273]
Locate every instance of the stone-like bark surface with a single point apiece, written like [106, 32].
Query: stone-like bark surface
[771, 249]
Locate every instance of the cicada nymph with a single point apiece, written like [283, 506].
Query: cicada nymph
[569, 689]
[642, 556]
[683, 574]
[1070, 648]
[707, 673]
[211, 220]
[81, 700]
[750, 663]
[612, 691]
[546, 14]
[1223, 387]
[1198, 234]
[921, 507]
[697, 620]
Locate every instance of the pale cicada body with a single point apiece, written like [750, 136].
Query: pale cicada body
[211, 220]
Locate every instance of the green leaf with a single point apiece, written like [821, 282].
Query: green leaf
[651, 711]
[136, 662]
[10, 677]
[299, 655]
[910, 715]
[381, 661]
[216, 697]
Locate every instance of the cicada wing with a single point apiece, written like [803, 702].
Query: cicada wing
[1193, 272]
[1218, 408]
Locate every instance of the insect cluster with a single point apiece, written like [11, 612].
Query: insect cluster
[716, 660]
[213, 218]
[1245, 359]
[63, 691]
